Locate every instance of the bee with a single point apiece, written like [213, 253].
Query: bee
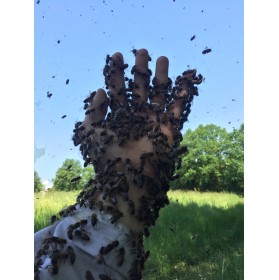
[131, 207]
[129, 165]
[53, 219]
[54, 269]
[146, 232]
[58, 41]
[89, 276]
[104, 277]
[193, 37]
[100, 257]
[87, 112]
[71, 253]
[174, 177]
[69, 167]
[124, 66]
[94, 220]
[100, 205]
[135, 52]
[120, 256]
[64, 116]
[81, 235]
[116, 215]
[108, 59]
[49, 94]
[76, 179]
[90, 97]
[83, 223]
[110, 246]
[67, 81]
[54, 240]
[70, 230]
[77, 124]
[206, 51]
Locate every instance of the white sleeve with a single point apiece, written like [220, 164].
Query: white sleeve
[106, 248]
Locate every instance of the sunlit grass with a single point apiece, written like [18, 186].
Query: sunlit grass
[197, 236]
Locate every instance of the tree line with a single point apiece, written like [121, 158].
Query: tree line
[214, 162]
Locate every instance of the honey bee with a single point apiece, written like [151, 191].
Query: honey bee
[72, 255]
[76, 179]
[193, 37]
[104, 277]
[100, 257]
[54, 241]
[89, 276]
[134, 51]
[120, 256]
[64, 116]
[53, 219]
[81, 235]
[131, 207]
[116, 215]
[67, 81]
[206, 51]
[110, 246]
[94, 220]
[70, 230]
[146, 232]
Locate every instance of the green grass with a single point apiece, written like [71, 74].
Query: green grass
[198, 236]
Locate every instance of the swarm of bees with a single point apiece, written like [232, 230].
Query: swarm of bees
[126, 122]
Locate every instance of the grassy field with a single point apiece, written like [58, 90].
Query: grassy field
[198, 236]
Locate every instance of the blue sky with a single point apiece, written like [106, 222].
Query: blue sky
[89, 30]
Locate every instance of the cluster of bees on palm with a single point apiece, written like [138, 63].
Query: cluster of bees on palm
[116, 178]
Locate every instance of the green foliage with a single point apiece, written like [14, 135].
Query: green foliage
[38, 185]
[198, 236]
[215, 160]
[72, 169]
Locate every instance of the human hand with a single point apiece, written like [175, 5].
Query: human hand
[135, 147]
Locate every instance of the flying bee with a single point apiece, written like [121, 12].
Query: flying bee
[64, 116]
[206, 51]
[67, 81]
[94, 220]
[72, 255]
[49, 94]
[120, 256]
[193, 37]
[89, 276]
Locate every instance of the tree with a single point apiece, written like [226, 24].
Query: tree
[71, 176]
[214, 161]
[38, 185]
